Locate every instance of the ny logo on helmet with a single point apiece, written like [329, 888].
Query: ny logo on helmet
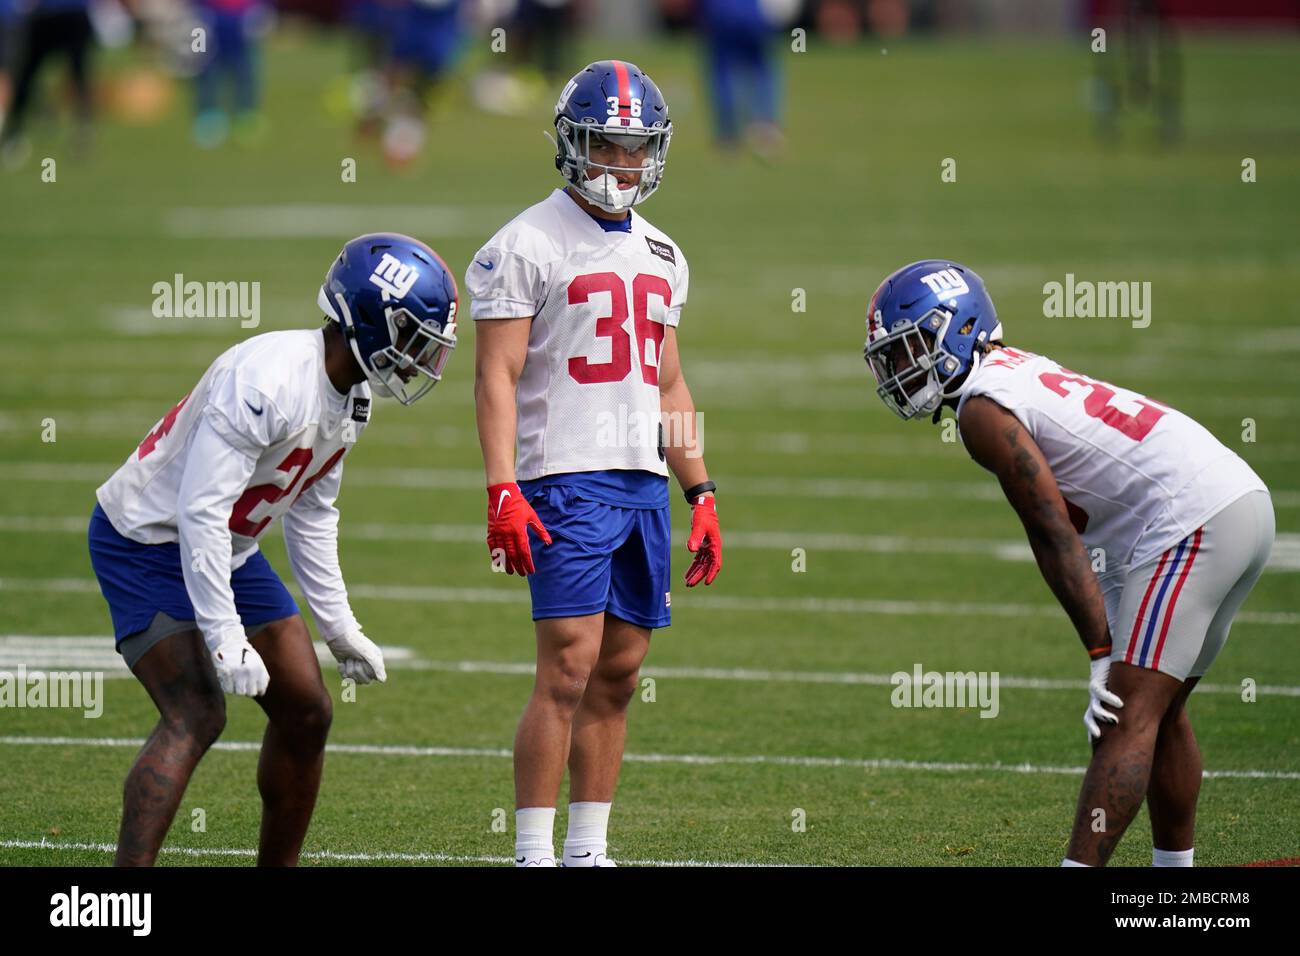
[946, 283]
[393, 277]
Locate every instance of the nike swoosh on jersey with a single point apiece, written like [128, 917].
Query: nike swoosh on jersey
[253, 408]
[486, 265]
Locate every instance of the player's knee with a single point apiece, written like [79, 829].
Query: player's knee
[311, 719]
[616, 685]
[202, 722]
[564, 683]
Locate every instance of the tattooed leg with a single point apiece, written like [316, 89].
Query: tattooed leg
[178, 674]
[1120, 772]
[299, 709]
[1175, 778]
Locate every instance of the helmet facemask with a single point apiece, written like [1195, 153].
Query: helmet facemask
[913, 372]
[574, 161]
[411, 364]
[418, 347]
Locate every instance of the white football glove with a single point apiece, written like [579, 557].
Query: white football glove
[240, 668]
[359, 657]
[1099, 694]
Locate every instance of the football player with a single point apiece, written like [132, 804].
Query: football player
[197, 610]
[576, 303]
[1184, 525]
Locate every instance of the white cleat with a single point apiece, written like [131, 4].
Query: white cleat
[531, 860]
[587, 859]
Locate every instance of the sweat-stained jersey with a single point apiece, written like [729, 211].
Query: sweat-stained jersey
[588, 397]
[1137, 476]
[260, 437]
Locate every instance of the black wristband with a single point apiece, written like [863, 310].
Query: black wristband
[701, 488]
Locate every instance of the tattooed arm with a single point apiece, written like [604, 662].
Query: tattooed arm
[997, 441]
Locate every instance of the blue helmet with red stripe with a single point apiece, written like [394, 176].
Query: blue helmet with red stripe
[927, 326]
[394, 300]
[612, 131]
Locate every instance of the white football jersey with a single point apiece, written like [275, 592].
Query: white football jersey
[1137, 476]
[588, 397]
[268, 397]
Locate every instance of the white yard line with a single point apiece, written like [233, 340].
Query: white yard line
[333, 856]
[413, 594]
[95, 652]
[400, 750]
[444, 479]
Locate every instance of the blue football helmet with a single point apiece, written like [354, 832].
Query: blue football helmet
[926, 326]
[611, 103]
[395, 301]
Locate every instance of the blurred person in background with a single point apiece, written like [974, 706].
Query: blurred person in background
[8, 16]
[426, 39]
[539, 46]
[372, 25]
[741, 73]
[234, 28]
[44, 28]
[1148, 73]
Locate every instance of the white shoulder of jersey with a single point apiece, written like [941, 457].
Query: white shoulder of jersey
[998, 377]
[507, 276]
[267, 388]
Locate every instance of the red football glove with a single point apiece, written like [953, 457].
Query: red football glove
[705, 542]
[509, 518]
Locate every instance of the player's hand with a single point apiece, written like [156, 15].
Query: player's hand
[705, 542]
[1099, 694]
[239, 667]
[509, 518]
[359, 657]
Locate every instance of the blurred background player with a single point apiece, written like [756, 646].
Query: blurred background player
[426, 40]
[234, 28]
[743, 80]
[539, 37]
[8, 39]
[197, 609]
[1143, 68]
[1183, 527]
[48, 28]
[577, 302]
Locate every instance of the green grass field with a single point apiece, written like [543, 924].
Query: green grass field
[771, 691]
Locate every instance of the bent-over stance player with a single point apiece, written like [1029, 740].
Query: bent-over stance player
[197, 610]
[1184, 524]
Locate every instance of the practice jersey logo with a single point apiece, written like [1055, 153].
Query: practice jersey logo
[946, 283]
[393, 277]
[662, 250]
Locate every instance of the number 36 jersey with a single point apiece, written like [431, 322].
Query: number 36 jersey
[1137, 476]
[588, 396]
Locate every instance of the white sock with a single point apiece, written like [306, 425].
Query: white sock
[534, 835]
[588, 822]
[1172, 857]
[1068, 862]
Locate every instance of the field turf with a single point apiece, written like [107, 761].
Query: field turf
[771, 703]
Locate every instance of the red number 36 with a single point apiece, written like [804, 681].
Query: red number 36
[611, 327]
